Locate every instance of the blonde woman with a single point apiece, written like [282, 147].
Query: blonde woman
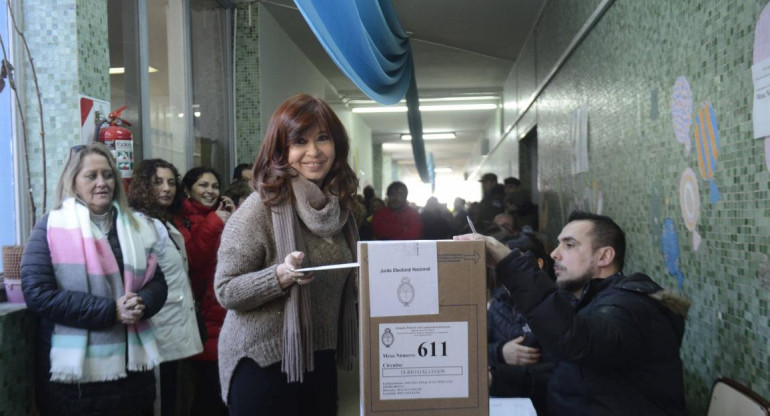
[89, 273]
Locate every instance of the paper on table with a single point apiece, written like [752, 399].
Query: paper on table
[326, 267]
[511, 407]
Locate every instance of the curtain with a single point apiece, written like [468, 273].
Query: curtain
[366, 41]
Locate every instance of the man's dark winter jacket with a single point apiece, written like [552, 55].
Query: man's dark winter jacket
[616, 348]
[81, 310]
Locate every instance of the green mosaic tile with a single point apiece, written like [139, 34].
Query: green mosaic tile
[54, 47]
[247, 103]
[624, 71]
[93, 48]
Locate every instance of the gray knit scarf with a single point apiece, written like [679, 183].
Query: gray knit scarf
[322, 215]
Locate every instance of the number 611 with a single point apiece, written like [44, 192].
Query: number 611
[423, 350]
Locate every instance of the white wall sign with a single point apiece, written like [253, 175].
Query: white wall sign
[89, 106]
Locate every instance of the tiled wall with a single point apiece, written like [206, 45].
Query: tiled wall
[625, 71]
[54, 48]
[93, 48]
[68, 63]
[247, 103]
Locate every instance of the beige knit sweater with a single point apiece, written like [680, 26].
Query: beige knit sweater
[246, 285]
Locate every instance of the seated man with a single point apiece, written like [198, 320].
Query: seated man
[517, 367]
[615, 338]
[397, 221]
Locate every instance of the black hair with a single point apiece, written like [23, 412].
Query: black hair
[512, 181]
[368, 192]
[605, 233]
[238, 172]
[238, 190]
[141, 195]
[396, 185]
[194, 174]
[528, 241]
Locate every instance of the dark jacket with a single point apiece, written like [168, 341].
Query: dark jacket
[81, 310]
[616, 348]
[505, 323]
[202, 229]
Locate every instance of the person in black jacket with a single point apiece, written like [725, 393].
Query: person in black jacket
[80, 296]
[615, 338]
[517, 365]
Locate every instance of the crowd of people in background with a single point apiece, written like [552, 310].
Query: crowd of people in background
[203, 284]
[503, 211]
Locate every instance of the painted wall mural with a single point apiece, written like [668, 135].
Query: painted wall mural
[689, 203]
[670, 246]
[681, 111]
[707, 147]
[656, 213]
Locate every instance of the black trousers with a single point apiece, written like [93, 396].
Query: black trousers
[168, 388]
[264, 391]
[207, 399]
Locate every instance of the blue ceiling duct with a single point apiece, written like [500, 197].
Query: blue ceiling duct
[367, 42]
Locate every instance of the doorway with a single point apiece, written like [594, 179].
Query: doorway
[528, 163]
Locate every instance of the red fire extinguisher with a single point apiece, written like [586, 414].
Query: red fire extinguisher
[120, 142]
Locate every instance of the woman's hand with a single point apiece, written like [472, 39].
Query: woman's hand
[286, 277]
[496, 250]
[130, 308]
[517, 354]
[225, 208]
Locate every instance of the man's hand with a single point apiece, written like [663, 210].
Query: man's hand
[496, 250]
[517, 354]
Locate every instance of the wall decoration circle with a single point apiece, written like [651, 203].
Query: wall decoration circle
[689, 203]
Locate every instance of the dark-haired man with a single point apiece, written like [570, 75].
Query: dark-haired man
[242, 173]
[491, 202]
[397, 221]
[615, 338]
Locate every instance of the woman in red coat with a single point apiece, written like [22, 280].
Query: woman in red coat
[201, 219]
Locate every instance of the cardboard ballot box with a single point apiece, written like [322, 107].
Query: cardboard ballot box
[423, 339]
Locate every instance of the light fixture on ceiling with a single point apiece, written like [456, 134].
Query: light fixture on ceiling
[396, 147]
[121, 70]
[432, 136]
[443, 169]
[427, 108]
[458, 107]
[435, 99]
[383, 109]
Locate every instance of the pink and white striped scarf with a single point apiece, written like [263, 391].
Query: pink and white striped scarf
[83, 261]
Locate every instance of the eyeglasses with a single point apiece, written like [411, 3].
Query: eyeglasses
[77, 148]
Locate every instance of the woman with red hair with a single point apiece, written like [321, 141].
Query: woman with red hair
[278, 343]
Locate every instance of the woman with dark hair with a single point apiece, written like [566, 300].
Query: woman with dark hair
[153, 194]
[278, 343]
[201, 219]
[89, 273]
[518, 367]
